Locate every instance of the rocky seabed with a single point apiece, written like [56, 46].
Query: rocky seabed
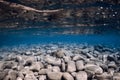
[60, 62]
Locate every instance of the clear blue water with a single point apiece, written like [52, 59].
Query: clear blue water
[102, 35]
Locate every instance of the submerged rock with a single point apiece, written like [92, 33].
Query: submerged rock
[67, 76]
[80, 65]
[36, 66]
[71, 67]
[53, 61]
[104, 76]
[116, 76]
[42, 77]
[93, 69]
[54, 75]
[60, 53]
[81, 75]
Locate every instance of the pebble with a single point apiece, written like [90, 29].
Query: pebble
[71, 67]
[54, 75]
[53, 61]
[63, 62]
[79, 65]
[60, 53]
[81, 75]
[93, 69]
[116, 76]
[67, 76]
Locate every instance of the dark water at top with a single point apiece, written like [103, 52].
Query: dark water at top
[104, 35]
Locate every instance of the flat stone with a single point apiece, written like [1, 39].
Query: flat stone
[67, 76]
[82, 75]
[54, 75]
[116, 76]
[43, 71]
[112, 65]
[103, 76]
[28, 61]
[51, 60]
[60, 53]
[67, 58]
[30, 76]
[93, 69]
[19, 78]
[9, 65]
[36, 66]
[20, 75]
[55, 69]
[71, 67]
[73, 74]
[76, 57]
[19, 59]
[63, 66]
[3, 74]
[42, 77]
[80, 65]
[28, 53]
[12, 75]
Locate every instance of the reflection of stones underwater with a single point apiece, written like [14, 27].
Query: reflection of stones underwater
[73, 13]
[63, 62]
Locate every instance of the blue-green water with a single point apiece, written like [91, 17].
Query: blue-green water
[90, 35]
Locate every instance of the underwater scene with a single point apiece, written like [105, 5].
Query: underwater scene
[59, 40]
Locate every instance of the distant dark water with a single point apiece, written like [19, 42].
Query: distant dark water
[108, 36]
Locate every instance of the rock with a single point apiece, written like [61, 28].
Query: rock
[25, 71]
[104, 67]
[55, 69]
[19, 59]
[19, 78]
[36, 66]
[93, 69]
[111, 71]
[36, 74]
[86, 50]
[82, 75]
[105, 58]
[54, 75]
[112, 65]
[9, 57]
[73, 74]
[29, 60]
[67, 76]
[42, 77]
[20, 67]
[90, 56]
[20, 75]
[1, 65]
[67, 58]
[111, 58]
[116, 76]
[80, 65]
[60, 53]
[28, 53]
[9, 65]
[30, 76]
[50, 67]
[43, 71]
[63, 66]
[103, 76]
[53, 61]
[77, 57]
[71, 67]
[48, 51]
[3, 74]
[12, 75]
